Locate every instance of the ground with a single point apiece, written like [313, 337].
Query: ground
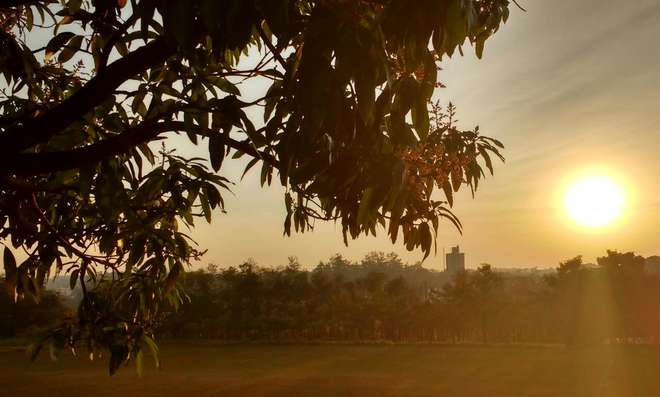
[210, 370]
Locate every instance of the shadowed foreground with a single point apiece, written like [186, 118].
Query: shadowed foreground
[214, 370]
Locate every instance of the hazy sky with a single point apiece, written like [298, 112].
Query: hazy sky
[570, 87]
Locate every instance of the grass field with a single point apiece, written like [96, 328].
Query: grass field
[209, 370]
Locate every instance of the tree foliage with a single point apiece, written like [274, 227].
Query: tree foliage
[27, 318]
[346, 129]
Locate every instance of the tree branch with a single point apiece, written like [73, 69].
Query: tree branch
[92, 94]
[112, 40]
[7, 182]
[47, 162]
[19, 3]
[241, 146]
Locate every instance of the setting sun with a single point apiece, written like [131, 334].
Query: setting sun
[594, 201]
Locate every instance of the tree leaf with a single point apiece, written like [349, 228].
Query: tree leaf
[216, 151]
[365, 209]
[56, 43]
[153, 348]
[420, 117]
[366, 96]
[9, 263]
[70, 50]
[446, 187]
[226, 86]
[73, 278]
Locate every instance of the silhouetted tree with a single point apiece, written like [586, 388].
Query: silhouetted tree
[344, 127]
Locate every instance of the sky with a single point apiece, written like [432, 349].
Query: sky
[572, 88]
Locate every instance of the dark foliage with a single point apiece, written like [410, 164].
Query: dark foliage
[26, 318]
[346, 130]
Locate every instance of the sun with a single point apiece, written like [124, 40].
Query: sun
[594, 201]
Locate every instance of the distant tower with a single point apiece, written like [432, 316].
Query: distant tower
[455, 261]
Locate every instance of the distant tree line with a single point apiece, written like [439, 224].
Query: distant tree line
[27, 318]
[382, 299]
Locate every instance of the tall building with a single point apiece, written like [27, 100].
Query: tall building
[455, 260]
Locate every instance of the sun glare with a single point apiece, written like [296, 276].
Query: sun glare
[594, 201]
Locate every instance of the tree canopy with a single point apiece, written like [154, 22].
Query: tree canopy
[344, 124]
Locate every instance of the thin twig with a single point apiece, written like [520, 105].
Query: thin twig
[271, 47]
[65, 242]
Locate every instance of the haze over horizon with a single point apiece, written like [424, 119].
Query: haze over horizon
[564, 102]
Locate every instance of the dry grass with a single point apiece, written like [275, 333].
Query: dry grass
[207, 370]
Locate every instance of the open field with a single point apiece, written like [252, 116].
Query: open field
[209, 370]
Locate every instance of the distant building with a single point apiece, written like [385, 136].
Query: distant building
[455, 261]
